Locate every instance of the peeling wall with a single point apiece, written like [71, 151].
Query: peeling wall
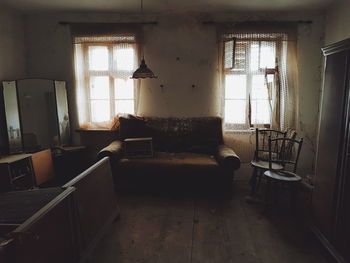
[182, 52]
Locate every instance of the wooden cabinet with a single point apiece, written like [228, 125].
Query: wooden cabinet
[69, 162]
[331, 198]
[16, 172]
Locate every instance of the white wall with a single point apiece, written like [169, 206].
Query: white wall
[182, 51]
[337, 22]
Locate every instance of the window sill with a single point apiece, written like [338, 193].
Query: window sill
[249, 131]
[95, 130]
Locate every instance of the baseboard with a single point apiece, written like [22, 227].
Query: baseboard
[327, 245]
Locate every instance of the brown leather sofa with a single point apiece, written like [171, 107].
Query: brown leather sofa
[189, 155]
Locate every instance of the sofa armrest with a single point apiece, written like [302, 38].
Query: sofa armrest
[227, 157]
[114, 150]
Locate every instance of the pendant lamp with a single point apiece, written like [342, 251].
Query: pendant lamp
[143, 71]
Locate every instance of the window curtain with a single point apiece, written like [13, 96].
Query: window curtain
[124, 35]
[283, 86]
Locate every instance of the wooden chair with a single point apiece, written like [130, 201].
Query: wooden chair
[260, 163]
[288, 158]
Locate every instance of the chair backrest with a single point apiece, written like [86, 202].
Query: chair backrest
[262, 143]
[289, 151]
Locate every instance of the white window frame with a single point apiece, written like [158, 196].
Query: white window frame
[85, 74]
[249, 76]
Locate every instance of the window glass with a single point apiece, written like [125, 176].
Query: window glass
[247, 87]
[98, 58]
[235, 111]
[100, 110]
[260, 112]
[267, 55]
[254, 56]
[99, 87]
[124, 88]
[124, 106]
[259, 89]
[235, 86]
[124, 58]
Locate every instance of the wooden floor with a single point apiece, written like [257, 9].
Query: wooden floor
[197, 229]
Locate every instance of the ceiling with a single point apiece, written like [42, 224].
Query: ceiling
[165, 5]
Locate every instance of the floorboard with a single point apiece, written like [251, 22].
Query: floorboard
[195, 229]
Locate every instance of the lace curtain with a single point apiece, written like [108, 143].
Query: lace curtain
[259, 76]
[105, 56]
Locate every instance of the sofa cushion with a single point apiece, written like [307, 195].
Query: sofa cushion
[133, 128]
[200, 135]
[171, 163]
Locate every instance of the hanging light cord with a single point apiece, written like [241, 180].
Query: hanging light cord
[142, 51]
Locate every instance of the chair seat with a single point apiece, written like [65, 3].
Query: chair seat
[265, 165]
[283, 176]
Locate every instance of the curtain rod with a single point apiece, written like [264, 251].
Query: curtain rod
[116, 23]
[238, 22]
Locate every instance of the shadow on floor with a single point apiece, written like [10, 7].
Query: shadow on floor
[198, 228]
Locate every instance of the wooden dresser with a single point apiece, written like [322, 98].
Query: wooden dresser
[16, 172]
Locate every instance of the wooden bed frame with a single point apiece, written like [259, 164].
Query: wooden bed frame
[64, 227]
[96, 204]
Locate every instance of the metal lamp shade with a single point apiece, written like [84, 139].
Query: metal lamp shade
[143, 72]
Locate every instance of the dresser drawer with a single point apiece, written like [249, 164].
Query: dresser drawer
[17, 174]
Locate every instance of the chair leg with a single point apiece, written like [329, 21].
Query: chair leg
[253, 181]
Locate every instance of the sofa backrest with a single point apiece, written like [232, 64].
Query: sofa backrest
[200, 134]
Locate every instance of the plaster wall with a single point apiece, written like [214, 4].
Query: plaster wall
[12, 47]
[337, 22]
[12, 56]
[182, 52]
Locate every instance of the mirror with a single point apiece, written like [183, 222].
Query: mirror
[38, 114]
[62, 112]
[41, 108]
[12, 116]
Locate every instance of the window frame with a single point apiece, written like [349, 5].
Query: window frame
[249, 76]
[110, 73]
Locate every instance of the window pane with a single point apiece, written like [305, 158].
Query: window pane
[99, 87]
[124, 89]
[267, 54]
[124, 106]
[98, 58]
[240, 56]
[254, 56]
[270, 78]
[235, 111]
[259, 89]
[100, 110]
[260, 112]
[235, 86]
[228, 54]
[124, 58]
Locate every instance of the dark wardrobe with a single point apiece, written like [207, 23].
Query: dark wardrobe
[331, 196]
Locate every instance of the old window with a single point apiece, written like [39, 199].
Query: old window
[103, 67]
[251, 78]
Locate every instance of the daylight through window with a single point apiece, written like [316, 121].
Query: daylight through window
[104, 66]
[250, 75]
